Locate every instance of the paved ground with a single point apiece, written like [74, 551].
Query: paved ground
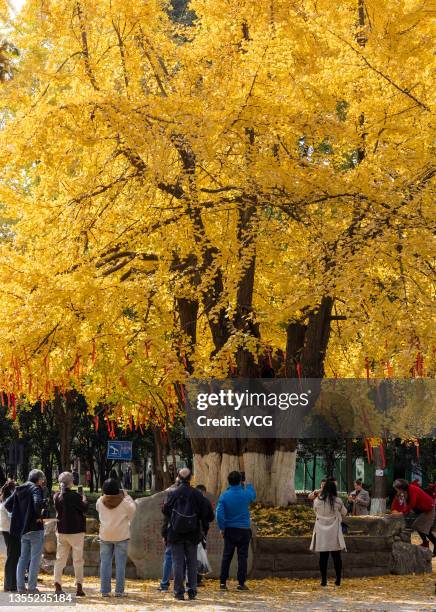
[386, 593]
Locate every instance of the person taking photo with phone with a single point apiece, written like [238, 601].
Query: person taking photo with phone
[116, 510]
[359, 499]
[233, 517]
[71, 507]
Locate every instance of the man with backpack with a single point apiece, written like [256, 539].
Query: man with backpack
[187, 511]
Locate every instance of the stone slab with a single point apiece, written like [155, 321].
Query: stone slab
[290, 563]
[386, 525]
[269, 545]
[368, 543]
[146, 547]
[409, 558]
[376, 546]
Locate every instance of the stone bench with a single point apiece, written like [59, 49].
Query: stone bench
[376, 545]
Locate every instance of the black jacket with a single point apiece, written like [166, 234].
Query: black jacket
[201, 506]
[26, 505]
[209, 518]
[70, 512]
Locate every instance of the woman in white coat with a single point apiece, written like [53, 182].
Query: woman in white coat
[327, 532]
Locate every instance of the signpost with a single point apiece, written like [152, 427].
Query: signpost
[118, 450]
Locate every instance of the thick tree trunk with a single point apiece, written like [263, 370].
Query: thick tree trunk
[63, 409]
[47, 465]
[306, 346]
[349, 463]
[162, 478]
[188, 313]
[283, 473]
[316, 340]
[268, 464]
[295, 333]
[315, 457]
[379, 491]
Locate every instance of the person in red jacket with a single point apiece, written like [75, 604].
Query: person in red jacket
[411, 498]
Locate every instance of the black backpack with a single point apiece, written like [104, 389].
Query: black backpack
[184, 515]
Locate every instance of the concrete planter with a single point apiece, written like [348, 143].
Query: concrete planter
[375, 546]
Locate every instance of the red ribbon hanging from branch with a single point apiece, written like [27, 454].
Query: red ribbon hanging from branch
[112, 430]
[390, 369]
[14, 406]
[367, 367]
[299, 370]
[368, 453]
[419, 364]
[182, 394]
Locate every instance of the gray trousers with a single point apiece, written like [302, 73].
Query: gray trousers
[184, 552]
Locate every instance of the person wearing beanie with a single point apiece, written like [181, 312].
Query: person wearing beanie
[71, 527]
[115, 510]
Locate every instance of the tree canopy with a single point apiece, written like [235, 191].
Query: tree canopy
[176, 192]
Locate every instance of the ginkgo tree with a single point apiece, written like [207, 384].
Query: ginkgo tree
[187, 196]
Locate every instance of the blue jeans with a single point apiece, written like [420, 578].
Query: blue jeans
[167, 568]
[107, 551]
[31, 550]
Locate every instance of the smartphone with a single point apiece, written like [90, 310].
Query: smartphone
[242, 476]
[80, 489]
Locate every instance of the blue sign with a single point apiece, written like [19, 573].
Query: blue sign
[119, 451]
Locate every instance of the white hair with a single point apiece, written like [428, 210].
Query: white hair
[185, 473]
[65, 480]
